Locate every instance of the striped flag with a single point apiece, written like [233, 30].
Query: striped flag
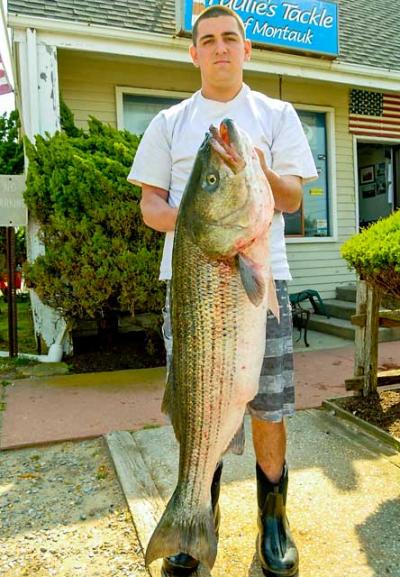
[374, 114]
[5, 86]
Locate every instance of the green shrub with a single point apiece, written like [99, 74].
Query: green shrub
[375, 253]
[99, 255]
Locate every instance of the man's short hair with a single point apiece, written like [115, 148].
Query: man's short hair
[214, 12]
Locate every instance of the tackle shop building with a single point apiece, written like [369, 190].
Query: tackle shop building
[336, 62]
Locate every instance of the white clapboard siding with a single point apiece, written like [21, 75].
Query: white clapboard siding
[88, 86]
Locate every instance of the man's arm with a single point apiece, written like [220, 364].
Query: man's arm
[287, 190]
[155, 209]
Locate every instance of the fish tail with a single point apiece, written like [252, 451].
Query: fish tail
[194, 535]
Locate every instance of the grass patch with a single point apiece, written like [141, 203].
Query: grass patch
[12, 368]
[150, 426]
[25, 330]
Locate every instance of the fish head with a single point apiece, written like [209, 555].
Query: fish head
[228, 201]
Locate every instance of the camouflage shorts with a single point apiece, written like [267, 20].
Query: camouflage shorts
[276, 394]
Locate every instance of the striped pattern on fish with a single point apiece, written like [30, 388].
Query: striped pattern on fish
[218, 332]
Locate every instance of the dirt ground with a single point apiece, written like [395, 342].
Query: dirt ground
[381, 410]
[123, 351]
[63, 514]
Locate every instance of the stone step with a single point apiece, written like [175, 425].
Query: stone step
[347, 293]
[344, 329]
[332, 326]
[340, 309]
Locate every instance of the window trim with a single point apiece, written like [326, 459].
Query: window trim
[121, 90]
[332, 184]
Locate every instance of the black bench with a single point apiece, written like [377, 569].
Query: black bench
[301, 315]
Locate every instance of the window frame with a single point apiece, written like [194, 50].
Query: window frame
[332, 185]
[120, 91]
[330, 142]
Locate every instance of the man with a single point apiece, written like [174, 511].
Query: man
[161, 167]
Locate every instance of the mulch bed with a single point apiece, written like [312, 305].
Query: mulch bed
[119, 352]
[381, 409]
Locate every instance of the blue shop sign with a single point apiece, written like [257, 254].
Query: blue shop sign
[305, 25]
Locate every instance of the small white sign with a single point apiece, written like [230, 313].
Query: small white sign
[13, 211]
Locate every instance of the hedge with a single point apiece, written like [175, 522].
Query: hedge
[99, 256]
[375, 254]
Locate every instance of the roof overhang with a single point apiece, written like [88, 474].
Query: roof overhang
[121, 42]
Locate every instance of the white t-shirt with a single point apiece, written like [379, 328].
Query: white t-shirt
[167, 151]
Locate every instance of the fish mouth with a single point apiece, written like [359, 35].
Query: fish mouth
[224, 142]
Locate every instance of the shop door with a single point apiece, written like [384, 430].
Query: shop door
[377, 181]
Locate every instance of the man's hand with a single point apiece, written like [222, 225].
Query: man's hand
[155, 209]
[287, 190]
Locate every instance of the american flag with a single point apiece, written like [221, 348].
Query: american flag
[5, 86]
[374, 114]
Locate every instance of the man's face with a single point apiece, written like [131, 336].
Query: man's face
[220, 50]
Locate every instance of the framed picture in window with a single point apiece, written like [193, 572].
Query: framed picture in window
[367, 190]
[367, 174]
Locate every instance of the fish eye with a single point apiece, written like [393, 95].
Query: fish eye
[211, 181]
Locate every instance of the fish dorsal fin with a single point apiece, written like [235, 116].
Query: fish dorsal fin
[252, 279]
[273, 304]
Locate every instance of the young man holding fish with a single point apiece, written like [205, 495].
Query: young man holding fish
[162, 166]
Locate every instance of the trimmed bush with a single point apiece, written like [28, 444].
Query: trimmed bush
[99, 257]
[375, 254]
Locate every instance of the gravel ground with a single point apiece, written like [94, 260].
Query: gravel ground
[62, 513]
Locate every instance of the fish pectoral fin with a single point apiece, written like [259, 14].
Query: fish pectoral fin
[273, 304]
[252, 279]
[174, 534]
[236, 446]
[169, 404]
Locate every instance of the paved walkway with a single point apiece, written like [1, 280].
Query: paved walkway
[343, 500]
[88, 405]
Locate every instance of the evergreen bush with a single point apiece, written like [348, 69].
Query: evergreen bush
[375, 254]
[99, 256]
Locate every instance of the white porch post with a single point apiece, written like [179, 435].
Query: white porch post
[40, 111]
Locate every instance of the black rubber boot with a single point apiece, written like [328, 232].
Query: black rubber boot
[181, 565]
[275, 546]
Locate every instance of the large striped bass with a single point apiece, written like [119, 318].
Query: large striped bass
[220, 290]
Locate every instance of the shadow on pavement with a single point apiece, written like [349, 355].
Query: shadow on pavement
[379, 537]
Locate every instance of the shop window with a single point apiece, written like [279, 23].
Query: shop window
[312, 219]
[139, 110]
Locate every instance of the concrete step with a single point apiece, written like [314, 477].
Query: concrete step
[338, 327]
[340, 309]
[344, 329]
[347, 293]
